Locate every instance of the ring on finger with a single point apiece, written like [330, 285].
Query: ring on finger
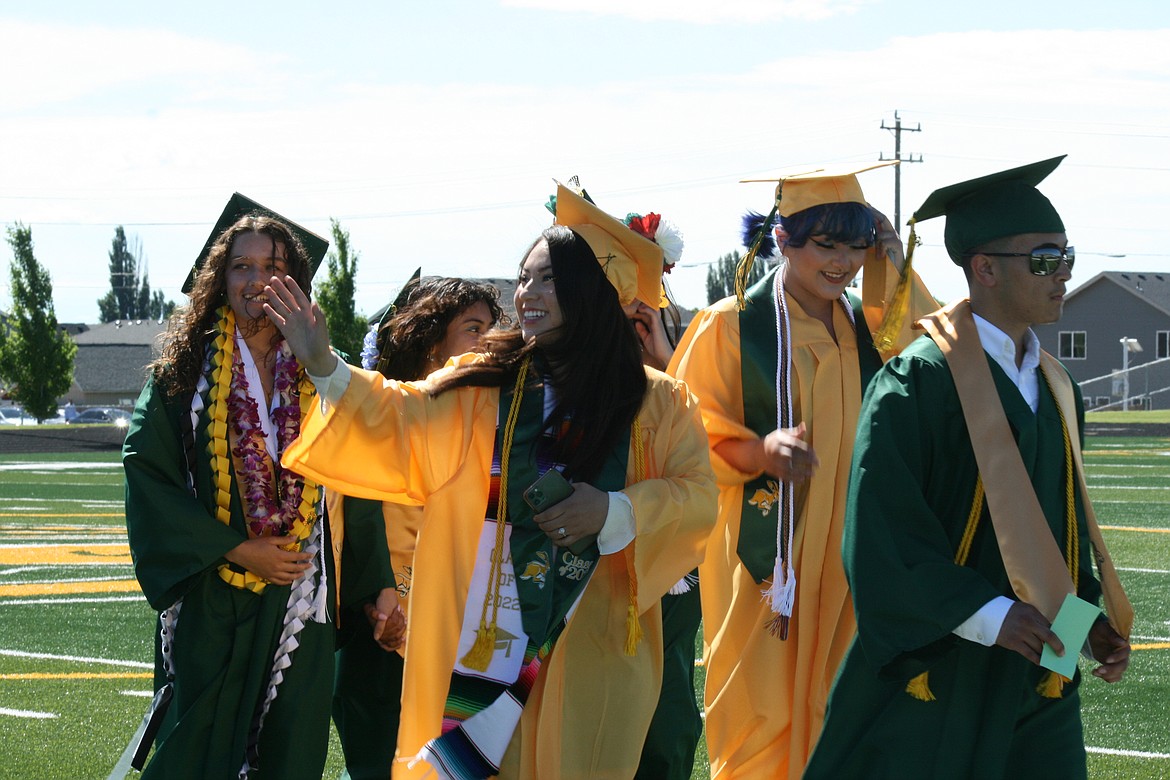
[561, 531]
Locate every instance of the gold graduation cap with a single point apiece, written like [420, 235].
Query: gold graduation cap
[1000, 204]
[800, 190]
[632, 262]
[241, 206]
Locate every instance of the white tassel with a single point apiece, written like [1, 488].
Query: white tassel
[684, 585]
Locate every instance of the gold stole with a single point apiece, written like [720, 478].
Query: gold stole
[1030, 553]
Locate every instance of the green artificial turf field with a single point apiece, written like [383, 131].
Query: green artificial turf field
[76, 643]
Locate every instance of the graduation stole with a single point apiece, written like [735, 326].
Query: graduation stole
[481, 713]
[765, 538]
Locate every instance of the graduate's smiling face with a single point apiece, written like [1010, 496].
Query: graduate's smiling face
[818, 272]
[536, 301]
[252, 260]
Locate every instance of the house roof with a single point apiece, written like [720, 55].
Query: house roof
[141, 332]
[111, 368]
[1153, 288]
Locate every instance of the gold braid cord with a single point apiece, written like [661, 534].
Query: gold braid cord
[219, 449]
[1051, 684]
[480, 654]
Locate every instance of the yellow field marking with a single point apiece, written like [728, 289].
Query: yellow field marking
[72, 529]
[79, 676]
[113, 552]
[1132, 528]
[51, 514]
[1152, 646]
[70, 588]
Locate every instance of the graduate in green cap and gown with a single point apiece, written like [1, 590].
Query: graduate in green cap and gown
[228, 546]
[968, 522]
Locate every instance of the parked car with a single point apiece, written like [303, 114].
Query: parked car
[107, 415]
[14, 415]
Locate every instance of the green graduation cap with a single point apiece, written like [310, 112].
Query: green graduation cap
[994, 206]
[383, 315]
[241, 206]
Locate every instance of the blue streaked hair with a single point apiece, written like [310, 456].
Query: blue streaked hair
[845, 223]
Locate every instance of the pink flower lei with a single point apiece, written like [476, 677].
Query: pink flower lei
[265, 516]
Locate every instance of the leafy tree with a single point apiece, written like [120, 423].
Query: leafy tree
[36, 357]
[130, 297]
[721, 275]
[334, 295]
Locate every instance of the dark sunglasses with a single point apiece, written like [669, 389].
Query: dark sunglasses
[1043, 260]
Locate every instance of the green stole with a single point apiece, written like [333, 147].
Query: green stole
[760, 325]
[544, 608]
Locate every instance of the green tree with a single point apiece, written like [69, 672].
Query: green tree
[36, 356]
[130, 297]
[334, 295]
[721, 275]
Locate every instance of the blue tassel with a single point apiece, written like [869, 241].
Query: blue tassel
[753, 224]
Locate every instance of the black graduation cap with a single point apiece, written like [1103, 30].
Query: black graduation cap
[1000, 204]
[241, 206]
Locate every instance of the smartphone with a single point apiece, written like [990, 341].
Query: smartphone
[549, 489]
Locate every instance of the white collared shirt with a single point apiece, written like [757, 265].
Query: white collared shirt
[983, 627]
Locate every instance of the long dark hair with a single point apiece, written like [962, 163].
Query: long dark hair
[407, 338]
[596, 358]
[177, 369]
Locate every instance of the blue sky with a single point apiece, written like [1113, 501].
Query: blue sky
[433, 131]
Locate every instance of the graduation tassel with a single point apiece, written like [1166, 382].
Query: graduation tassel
[919, 687]
[480, 654]
[744, 269]
[1051, 685]
[887, 334]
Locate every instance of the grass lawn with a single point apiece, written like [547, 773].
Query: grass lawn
[76, 635]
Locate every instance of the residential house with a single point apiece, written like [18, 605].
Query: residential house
[1111, 308]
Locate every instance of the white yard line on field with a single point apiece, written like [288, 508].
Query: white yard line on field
[77, 659]
[1127, 753]
[106, 600]
[4, 711]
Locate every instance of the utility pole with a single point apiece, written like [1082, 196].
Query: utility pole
[897, 130]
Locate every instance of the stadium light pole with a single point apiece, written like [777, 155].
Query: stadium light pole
[1127, 345]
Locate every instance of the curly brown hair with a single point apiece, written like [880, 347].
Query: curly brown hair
[183, 344]
[432, 304]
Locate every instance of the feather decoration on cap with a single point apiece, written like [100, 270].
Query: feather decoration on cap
[757, 225]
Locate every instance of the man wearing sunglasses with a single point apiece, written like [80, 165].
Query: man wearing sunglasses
[968, 525]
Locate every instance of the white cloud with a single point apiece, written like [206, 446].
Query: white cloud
[745, 12]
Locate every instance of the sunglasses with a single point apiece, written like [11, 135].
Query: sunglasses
[1043, 260]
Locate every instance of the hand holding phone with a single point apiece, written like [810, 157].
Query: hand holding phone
[547, 491]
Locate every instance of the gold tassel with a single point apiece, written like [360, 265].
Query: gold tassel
[887, 335]
[1051, 685]
[744, 268]
[633, 625]
[919, 687]
[480, 654]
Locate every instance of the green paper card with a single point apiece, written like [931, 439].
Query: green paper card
[1072, 625]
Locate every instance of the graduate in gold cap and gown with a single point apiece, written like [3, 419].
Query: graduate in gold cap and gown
[969, 523]
[227, 545]
[534, 644]
[432, 320]
[779, 375]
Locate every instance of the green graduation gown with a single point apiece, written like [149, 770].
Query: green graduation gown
[226, 637]
[911, 489]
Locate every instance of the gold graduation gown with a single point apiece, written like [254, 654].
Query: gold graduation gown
[765, 698]
[590, 708]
